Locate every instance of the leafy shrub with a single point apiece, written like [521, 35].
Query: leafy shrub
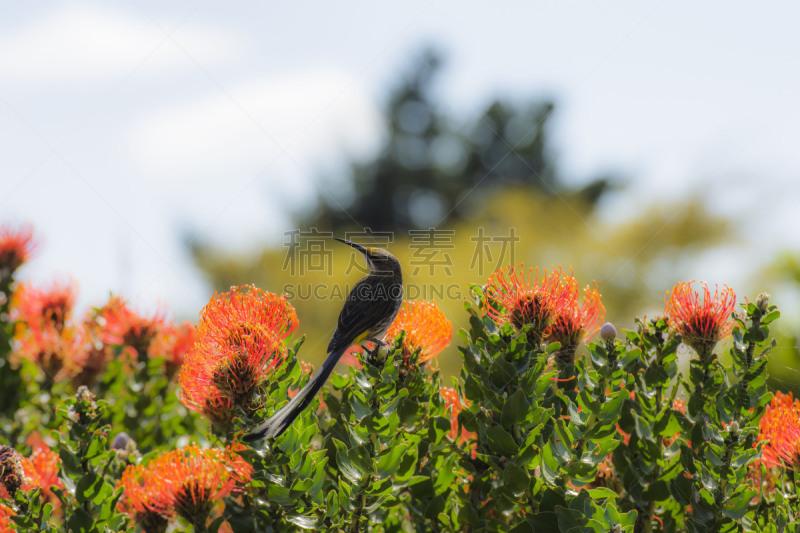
[123, 421]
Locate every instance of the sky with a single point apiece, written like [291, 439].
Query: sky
[126, 124]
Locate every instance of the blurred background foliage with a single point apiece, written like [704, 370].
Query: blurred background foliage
[480, 182]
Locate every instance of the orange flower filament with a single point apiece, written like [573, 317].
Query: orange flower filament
[187, 482]
[16, 247]
[454, 406]
[5, 519]
[701, 322]
[426, 329]
[42, 309]
[23, 473]
[45, 333]
[119, 325]
[780, 425]
[521, 298]
[579, 320]
[241, 343]
[679, 405]
[246, 306]
[174, 342]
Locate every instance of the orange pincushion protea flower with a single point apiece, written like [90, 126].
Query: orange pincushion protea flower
[16, 247]
[23, 473]
[174, 342]
[119, 325]
[244, 307]
[214, 379]
[5, 519]
[45, 333]
[188, 482]
[521, 298]
[679, 405]
[60, 354]
[46, 463]
[454, 406]
[578, 321]
[780, 425]
[42, 309]
[426, 329]
[700, 322]
[12, 472]
[240, 345]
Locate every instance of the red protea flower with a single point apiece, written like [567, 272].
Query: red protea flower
[521, 298]
[454, 406]
[426, 329]
[700, 322]
[16, 247]
[780, 426]
[188, 482]
[116, 324]
[237, 351]
[577, 321]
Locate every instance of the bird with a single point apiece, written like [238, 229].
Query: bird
[370, 308]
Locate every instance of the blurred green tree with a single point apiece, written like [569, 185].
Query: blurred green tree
[430, 167]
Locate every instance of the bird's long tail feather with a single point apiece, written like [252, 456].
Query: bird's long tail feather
[283, 418]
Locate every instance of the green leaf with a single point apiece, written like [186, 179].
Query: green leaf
[550, 466]
[80, 520]
[515, 410]
[407, 465]
[736, 507]
[515, 478]
[642, 427]
[438, 427]
[88, 487]
[500, 441]
[681, 489]
[390, 460]
[773, 315]
[609, 412]
[345, 464]
[657, 491]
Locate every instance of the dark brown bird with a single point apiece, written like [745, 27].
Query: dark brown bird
[367, 313]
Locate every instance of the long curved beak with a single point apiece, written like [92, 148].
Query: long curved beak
[354, 245]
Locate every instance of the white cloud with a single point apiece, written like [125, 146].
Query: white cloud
[304, 120]
[80, 45]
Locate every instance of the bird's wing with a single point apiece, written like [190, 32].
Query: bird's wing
[366, 305]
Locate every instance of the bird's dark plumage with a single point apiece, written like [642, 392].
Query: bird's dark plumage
[367, 313]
